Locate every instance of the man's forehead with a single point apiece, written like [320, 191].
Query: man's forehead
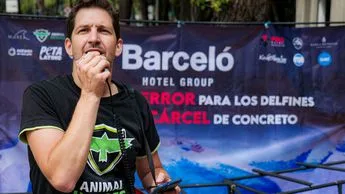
[93, 16]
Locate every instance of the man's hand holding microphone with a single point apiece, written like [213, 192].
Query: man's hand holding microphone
[93, 72]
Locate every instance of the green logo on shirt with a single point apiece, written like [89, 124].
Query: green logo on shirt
[105, 151]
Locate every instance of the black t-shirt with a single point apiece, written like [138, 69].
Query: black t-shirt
[51, 103]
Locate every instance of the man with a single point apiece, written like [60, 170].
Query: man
[83, 130]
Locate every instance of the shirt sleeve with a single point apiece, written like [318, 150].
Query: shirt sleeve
[38, 111]
[148, 126]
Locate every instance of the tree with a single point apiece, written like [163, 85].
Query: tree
[185, 10]
[243, 11]
[126, 7]
[2, 6]
[162, 10]
[182, 9]
[40, 7]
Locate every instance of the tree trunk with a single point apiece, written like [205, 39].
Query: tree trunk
[125, 9]
[182, 9]
[143, 9]
[202, 13]
[247, 11]
[57, 6]
[2, 6]
[185, 10]
[162, 10]
[40, 7]
[234, 11]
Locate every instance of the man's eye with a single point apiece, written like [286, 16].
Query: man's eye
[105, 31]
[82, 30]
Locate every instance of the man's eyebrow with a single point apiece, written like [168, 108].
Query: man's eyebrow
[102, 26]
[82, 26]
[87, 25]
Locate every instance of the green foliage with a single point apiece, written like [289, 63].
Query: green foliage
[50, 6]
[27, 6]
[215, 5]
[49, 3]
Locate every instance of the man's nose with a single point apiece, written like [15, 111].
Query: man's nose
[94, 36]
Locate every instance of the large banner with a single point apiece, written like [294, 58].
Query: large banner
[226, 100]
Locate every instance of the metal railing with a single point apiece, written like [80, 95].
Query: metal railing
[232, 185]
[180, 22]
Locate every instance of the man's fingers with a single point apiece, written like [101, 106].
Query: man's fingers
[87, 57]
[160, 177]
[99, 69]
[91, 60]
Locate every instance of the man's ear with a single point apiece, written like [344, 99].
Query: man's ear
[68, 47]
[119, 45]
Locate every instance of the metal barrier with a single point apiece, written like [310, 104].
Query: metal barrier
[232, 185]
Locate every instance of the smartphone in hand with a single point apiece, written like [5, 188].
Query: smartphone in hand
[166, 186]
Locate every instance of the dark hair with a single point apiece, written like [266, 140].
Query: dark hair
[103, 4]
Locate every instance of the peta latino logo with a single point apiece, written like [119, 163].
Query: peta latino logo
[298, 59]
[41, 35]
[50, 53]
[324, 59]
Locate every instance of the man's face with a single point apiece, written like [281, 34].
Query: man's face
[93, 31]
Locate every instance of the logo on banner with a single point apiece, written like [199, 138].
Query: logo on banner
[50, 53]
[298, 59]
[20, 35]
[57, 36]
[273, 58]
[12, 52]
[324, 44]
[297, 42]
[324, 59]
[19, 52]
[41, 34]
[275, 41]
[133, 58]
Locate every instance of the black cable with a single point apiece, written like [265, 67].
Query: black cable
[121, 136]
[147, 147]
